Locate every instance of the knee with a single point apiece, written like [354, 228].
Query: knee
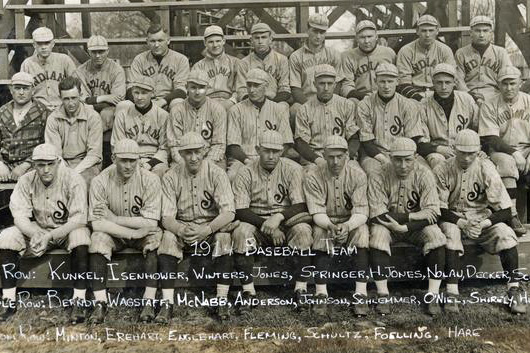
[12, 239]
[302, 237]
[505, 164]
[243, 237]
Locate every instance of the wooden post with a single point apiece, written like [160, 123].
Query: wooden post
[4, 62]
[163, 13]
[302, 15]
[408, 15]
[466, 18]
[20, 24]
[86, 24]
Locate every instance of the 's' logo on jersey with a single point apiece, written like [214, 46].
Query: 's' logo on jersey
[270, 125]
[414, 201]
[398, 126]
[208, 201]
[476, 193]
[61, 216]
[207, 130]
[138, 204]
[348, 204]
[339, 129]
[282, 194]
[462, 122]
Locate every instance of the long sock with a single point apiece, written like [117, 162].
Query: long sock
[150, 293]
[166, 265]
[360, 287]
[380, 261]
[434, 286]
[244, 264]
[10, 293]
[322, 265]
[100, 295]
[436, 262]
[321, 289]
[452, 288]
[79, 264]
[452, 267]
[168, 294]
[222, 290]
[79, 293]
[382, 287]
[510, 261]
[98, 265]
[300, 286]
[249, 287]
[151, 266]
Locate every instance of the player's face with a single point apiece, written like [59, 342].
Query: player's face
[509, 88]
[193, 159]
[386, 85]
[316, 37]
[481, 34]
[268, 158]
[46, 170]
[465, 159]
[125, 167]
[261, 42]
[443, 85]
[71, 100]
[141, 97]
[214, 45]
[98, 56]
[336, 159]
[158, 43]
[256, 91]
[21, 93]
[44, 49]
[325, 86]
[427, 34]
[196, 92]
[367, 39]
[403, 165]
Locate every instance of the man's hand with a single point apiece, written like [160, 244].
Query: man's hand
[102, 211]
[229, 227]
[471, 228]
[5, 173]
[271, 224]
[197, 233]
[321, 162]
[393, 225]
[445, 151]
[382, 158]
[153, 242]
[39, 242]
[425, 214]
[342, 232]
[520, 161]
[146, 166]
[143, 232]
[20, 170]
[478, 97]
[109, 98]
[333, 230]
[278, 237]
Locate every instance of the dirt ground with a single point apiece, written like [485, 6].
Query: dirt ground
[478, 328]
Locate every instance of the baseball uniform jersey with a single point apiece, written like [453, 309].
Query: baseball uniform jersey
[302, 63]
[274, 63]
[267, 193]
[358, 68]
[169, 74]
[149, 130]
[47, 74]
[246, 122]
[315, 121]
[442, 131]
[384, 122]
[221, 72]
[110, 79]
[209, 120]
[415, 64]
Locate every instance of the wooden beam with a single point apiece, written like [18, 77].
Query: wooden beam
[409, 13]
[337, 13]
[4, 62]
[264, 16]
[86, 23]
[164, 16]
[228, 17]
[20, 24]
[453, 13]
[302, 16]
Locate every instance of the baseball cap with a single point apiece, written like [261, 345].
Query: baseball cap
[445, 69]
[336, 141]
[364, 25]
[45, 152]
[199, 77]
[127, 148]
[386, 69]
[42, 34]
[481, 20]
[260, 28]
[467, 141]
[22, 78]
[257, 76]
[402, 147]
[144, 82]
[318, 21]
[325, 70]
[272, 140]
[191, 140]
[508, 72]
[213, 31]
[97, 42]
[427, 20]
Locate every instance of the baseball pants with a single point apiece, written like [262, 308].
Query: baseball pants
[429, 238]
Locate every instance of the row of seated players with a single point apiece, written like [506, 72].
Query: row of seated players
[272, 202]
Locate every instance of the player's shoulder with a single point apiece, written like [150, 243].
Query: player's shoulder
[27, 178]
[175, 55]
[384, 50]
[444, 166]
[464, 97]
[69, 176]
[59, 57]
[214, 171]
[297, 54]
[367, 101]
[422, 171]
[213, 105]
[8, 105]
[464, 50]
[104, 176]
[290, 166]
[355, 169]
[408, 48]
[148, 177]
[487, 167]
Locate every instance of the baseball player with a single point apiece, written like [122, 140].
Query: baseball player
[268, 193]
[75, 130]
[197, 202]
[201, 114]
[47, 68]
[102, 80]
[220, 68]
[383, 116]
[168, 68]
[478, 63]
[248, 119]
[49, 208]
[336, 198]
[264, 57]
[146, 123]
[474, 204]
[504, 128]
[404, 206]
[416, 60]
[22, 123]
[323, 115]
[125, 203]
[358, 64]
[445, 114]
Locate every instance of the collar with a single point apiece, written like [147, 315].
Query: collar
[206, 54]
[325, 102]
[263, 56]
[258, 105]
[194, 107]
[385, 100]
[188, 174]
[481, 48]
[26, 106]
[514, 100]
[143, 111]
[367, 53]
[78, 115]
[93, 67]
[444, 101]
[265, 172]
[318, 50]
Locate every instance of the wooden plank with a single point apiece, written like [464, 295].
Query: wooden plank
[453, 13]
[337, 13]
[229, 16]
[409, 13]
[20, 24]
[466, 19]
[86, 23]
[264, 16]
[164, 15]
[302, 17]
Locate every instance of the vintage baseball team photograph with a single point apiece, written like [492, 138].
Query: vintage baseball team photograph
[264, 176]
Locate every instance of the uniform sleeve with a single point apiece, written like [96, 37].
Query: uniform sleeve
[118, 129]
[169, 194]
[95, 137]
[352, 127]
[364, 116]
[442, 185]
[223, 195]
[359, 196]
[487, 120]
[461, 69]
[429, 195]
[25, 66]
[52, 135]
[413, 125]
[136, 67]
[296, 193]
[404, 66]
[233, 135]
[218, 147]
[118, 82]
[336, 62]
[20, 203]
[422, 118]
[241, 79]
[161, 154]
[295, 72]
[77, 202]
[378, 199]
[152, 195]
[85, 90]
[347, 69]
[181, 73]
[314, 192]
[474, 114]
[69, 66]
[504, 58]
[496, 193]
[97, 196]
[302, 125]
[284, 127]
[283, 82]
[242, 187]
